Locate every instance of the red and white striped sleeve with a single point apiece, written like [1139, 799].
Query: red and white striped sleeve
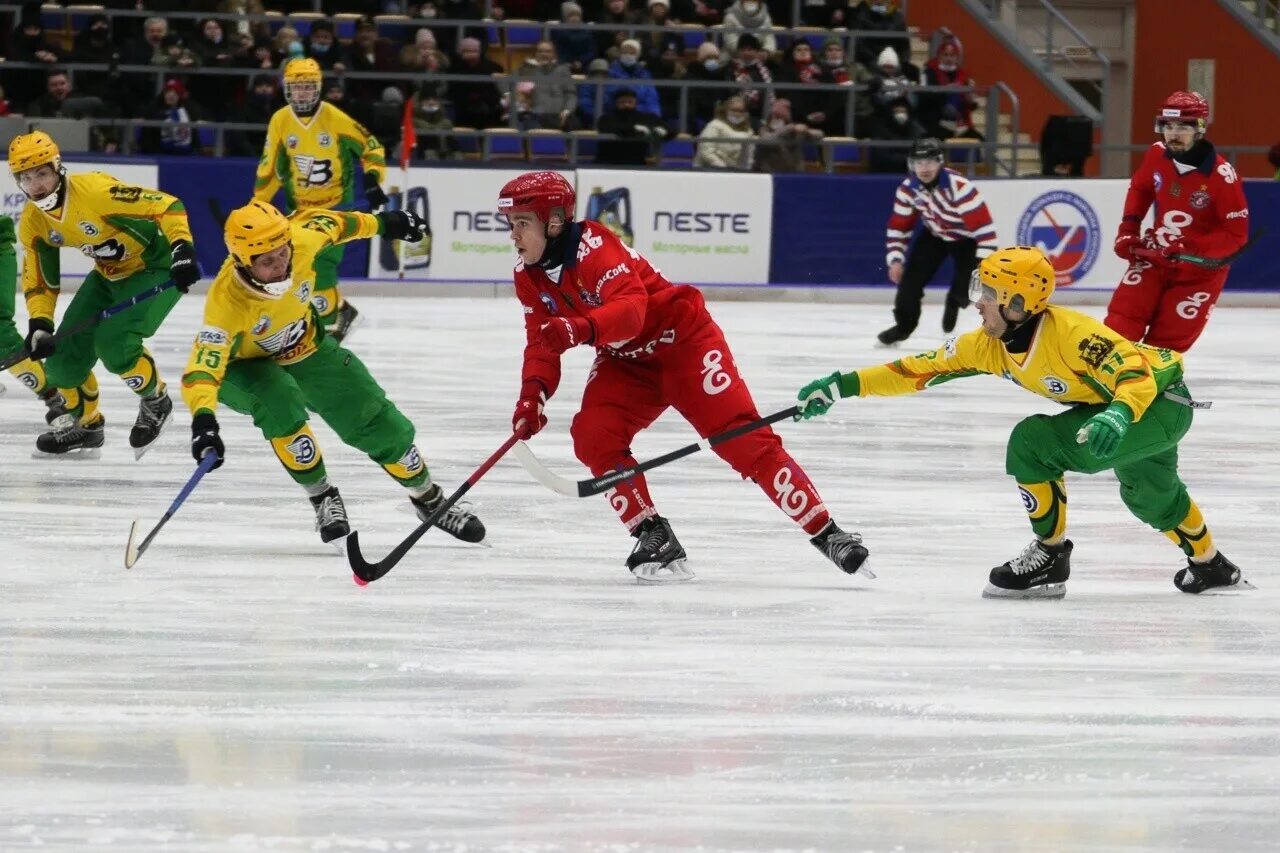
[972, 208]
[901, 223]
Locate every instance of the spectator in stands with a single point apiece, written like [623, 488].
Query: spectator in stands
[174, 53]
[782, 140]
[800, 68]
[616, 14]
[523, 118]
[754, 77]
[707, 68]
[215, 92]
[718, 147]
[429, 123]
[887, 18]
[434, 62]
[360, 110]
[173, 106]
[57, 88]
[576, 48]
[238, 9]
[752, 15]
[591, 94]
[900, 127]
[667, 66]
[554, 94]
[29, 43]
[459, 10]
[95, 46]
[709, 12]
[259, 105]
[824, 13]
[640, 132]
[838, 70]
[286, 45]
[888, 86]
[140, 50]
[944, 115]
[653, 42]
[367, 52]
[628, 68]
[322, 45]
[476, 104]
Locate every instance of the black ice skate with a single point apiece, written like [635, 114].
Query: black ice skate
[344, 322]
[843, 549]
[71, 439]
[657, 556]
[1218, 572]
[55, 403]
[458, 521]
[331, 517]
[153, 415]
[893, 335]
[950, 313]
[1040, 571]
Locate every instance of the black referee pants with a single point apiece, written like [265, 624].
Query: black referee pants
[924, 258]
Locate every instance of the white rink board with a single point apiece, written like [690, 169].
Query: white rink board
[72, 263]
[236, 692]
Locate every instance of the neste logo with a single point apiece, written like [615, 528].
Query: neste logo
[701, 222]
[480, 220]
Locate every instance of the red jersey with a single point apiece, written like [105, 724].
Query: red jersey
[1204, 206]
[632, 307]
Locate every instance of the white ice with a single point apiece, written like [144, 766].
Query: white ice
[236, 691]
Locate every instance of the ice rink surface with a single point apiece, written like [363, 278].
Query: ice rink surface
[236, 691]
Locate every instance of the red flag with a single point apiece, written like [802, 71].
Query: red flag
[408, 136]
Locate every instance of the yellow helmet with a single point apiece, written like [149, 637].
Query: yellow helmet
[28, 150]
[302, 78]
[1019, 277]
[255, 229]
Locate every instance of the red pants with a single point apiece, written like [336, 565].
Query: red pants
[1164, 306]
[696, 374]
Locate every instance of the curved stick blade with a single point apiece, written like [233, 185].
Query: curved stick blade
[131, 552]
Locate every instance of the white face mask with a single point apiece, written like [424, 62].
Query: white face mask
[778, 124]
[711, 64]
[901, 118]
[735, 117]
[627, 59]
[947, 66]
[751, 8]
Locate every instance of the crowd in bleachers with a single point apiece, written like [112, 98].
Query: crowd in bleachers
[786, 91]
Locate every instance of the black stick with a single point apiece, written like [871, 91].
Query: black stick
[367, 572]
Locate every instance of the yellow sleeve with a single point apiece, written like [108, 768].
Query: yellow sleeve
[337, 226]
[967, 355]
[210, 355]
[269, 178]
[130, 208]
[1113, 367]
[373, 158]
[41, 273]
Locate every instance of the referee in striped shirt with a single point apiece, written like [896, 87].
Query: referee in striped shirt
[957, 224]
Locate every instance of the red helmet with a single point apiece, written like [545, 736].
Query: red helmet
[1184, 106]
[540, 193]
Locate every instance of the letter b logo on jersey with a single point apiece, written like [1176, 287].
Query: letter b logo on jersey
[1189, 308]
[312, 172]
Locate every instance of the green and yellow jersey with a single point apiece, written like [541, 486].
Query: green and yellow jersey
[1072, 358]
[314, 158]
[242, 323]
[123, 228]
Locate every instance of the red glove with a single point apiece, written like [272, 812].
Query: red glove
[1125, 244]
[561, 333]
[528, 419]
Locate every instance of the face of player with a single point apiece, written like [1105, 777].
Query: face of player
[1178, 135]
[926, 170]
[272, 267]
[303, 95]
[529, 236]
[996, 322]
[38, 183]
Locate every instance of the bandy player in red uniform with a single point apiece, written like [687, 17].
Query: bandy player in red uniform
[1200, 209]
[656, 347]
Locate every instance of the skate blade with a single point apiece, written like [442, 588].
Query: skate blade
[865, 571]
[339, 545]
[1044, 591]
[139, 452]
[81, 453]
[1235, 589]
[656, 573]
[131, 553]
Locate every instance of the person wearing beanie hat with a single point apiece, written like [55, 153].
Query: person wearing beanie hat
[618, 19]
[885, 18]
[321, 44]
[477, 104]
[575, 47]
[750, 15]
[629, 69]
[708, 68]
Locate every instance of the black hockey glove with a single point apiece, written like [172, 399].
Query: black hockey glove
[183, 267]
[403, 225]
[39, 342]
[204, 438]
[373, 193]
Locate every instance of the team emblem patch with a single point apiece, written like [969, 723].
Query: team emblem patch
[1029, 502]
[588, 298]
[321, 303]
[1054, 385]
[1065, 227]
[264, 323]
[303, 450]
[29, 379]
[325, 140]
[55, 238]
[134, 383]
[89, 229]
[548, 302]
[412, 460]
[292, 141]
[1095, 349]
[212, 336]
[304, 292]
[1199, 199]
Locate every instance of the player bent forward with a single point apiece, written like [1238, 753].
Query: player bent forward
[1129, 409]
[263, 352]
[656, 346]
